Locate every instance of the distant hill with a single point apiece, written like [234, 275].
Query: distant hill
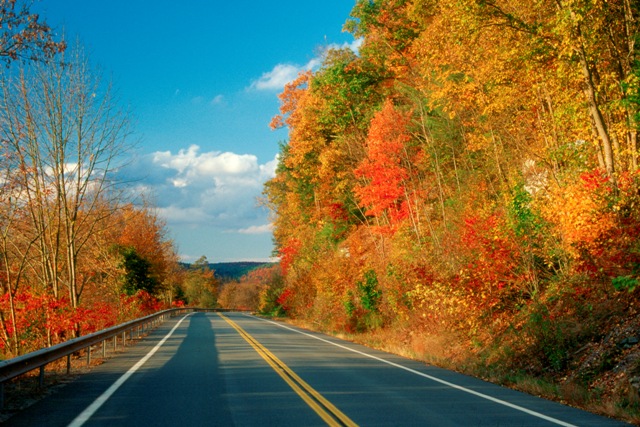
[235, 270]
[232, 270]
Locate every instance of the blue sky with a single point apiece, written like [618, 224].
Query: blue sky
[201, 79]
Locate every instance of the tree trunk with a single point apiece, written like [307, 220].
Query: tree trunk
[596, 114]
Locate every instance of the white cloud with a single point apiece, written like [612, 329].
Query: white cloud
[194, 188]
[191, 166]
[284, 73]
[268, 170]
[354, 46]
[257, 229]
[217, 100]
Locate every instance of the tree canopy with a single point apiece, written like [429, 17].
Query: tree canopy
[472, 168]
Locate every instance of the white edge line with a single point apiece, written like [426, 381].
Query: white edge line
[91, 409]
[438, 380]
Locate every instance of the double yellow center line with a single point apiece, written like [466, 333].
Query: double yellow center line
[325, 409]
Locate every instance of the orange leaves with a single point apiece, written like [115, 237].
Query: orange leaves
[289, 99]
[404, 159]
[142, 230]
[24, 35]
[288, 253]
[580, 214]
[597, 226]
[384, 192]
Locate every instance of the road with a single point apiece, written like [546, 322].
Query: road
[208, 369]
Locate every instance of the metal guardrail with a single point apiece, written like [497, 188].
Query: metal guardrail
[17, 366]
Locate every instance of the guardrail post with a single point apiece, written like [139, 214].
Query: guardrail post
[68, 364]
[124, 339]
[41, 377]
[104, 349]
[115, 343]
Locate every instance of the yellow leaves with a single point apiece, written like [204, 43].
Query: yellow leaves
[580, 215]
[475, 142]
[289, 99]
[442, 304]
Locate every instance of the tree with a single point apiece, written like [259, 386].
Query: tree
[200, 285]
[384, 192]
[590, 44]
[23, 35]
[140, 227]
[137, 272]
[64, 137]
[16, 242]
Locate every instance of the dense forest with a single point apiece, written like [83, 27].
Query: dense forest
[465, 187]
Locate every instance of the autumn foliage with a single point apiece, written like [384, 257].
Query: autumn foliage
[32, 316]
[76, 253]
[384, 191]
[484, 159]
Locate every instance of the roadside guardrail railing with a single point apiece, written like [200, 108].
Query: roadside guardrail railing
[12, 368]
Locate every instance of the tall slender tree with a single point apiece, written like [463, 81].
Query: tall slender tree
[66, 135]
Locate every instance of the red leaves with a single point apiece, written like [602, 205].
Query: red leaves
[288, 253]
[385, 192]
[595, 180]
[284, 300]
[147, 303]
[491, 252]
[337, 212]
[43, 320]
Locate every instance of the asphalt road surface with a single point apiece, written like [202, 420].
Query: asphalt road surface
[208, 369]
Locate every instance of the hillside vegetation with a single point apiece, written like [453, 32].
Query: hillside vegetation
[227, 271]
[465, 189]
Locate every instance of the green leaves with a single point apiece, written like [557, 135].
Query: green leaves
[368, 291]
[625, 283]
[137, 272]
